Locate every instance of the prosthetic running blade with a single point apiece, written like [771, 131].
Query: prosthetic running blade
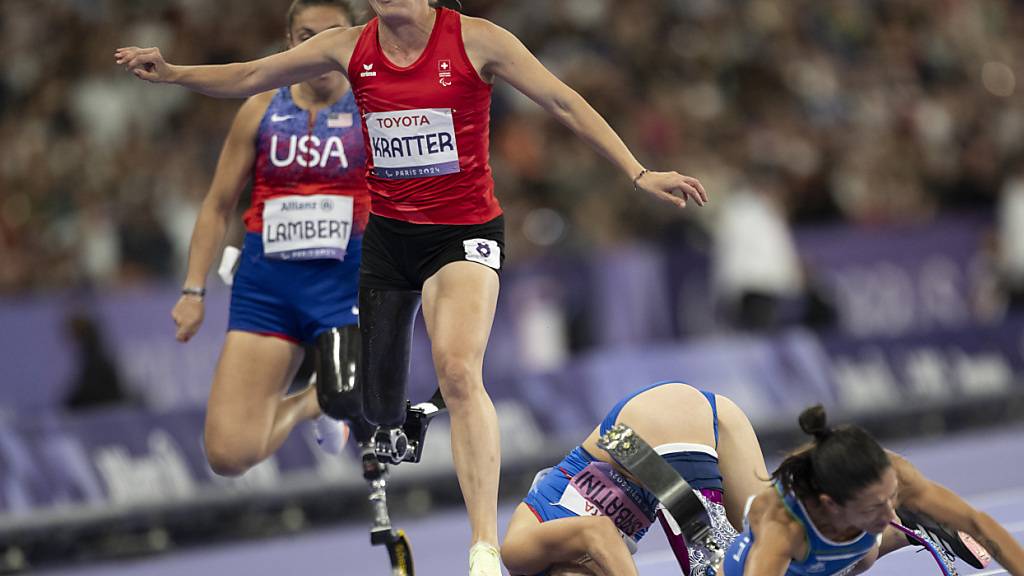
[382, 534]
[941, 556]
[636, 457]
[962, 545]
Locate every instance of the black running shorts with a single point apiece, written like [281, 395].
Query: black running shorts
[400, 255]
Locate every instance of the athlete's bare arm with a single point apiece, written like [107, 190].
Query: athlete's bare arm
[233, 169]
[497, 53]
[942, 504]
[329, 51]
[777, 538]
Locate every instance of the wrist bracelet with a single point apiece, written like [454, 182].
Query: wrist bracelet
[198, 292]
[636, 180]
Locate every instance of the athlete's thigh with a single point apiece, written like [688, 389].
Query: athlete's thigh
[252, 375]
[744, 473]
[458, 308]
[588, 568]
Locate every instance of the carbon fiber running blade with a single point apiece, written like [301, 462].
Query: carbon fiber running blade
[400, 553]
[636, 456]
[943, 560]
[961, 545]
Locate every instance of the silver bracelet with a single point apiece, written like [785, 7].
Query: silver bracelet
[197, 291]
[636, 180]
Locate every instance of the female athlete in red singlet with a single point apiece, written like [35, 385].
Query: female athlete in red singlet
[422, 76]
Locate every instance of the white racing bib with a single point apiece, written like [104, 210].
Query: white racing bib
[307, 227]
[413, 143]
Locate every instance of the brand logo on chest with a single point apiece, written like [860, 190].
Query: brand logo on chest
[368, 71]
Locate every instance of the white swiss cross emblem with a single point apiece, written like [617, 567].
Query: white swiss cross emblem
[444, 72]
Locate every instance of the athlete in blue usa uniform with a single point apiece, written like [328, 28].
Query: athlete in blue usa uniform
[297, 280]
[298, 276]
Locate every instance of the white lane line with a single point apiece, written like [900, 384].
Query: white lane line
[997, 498]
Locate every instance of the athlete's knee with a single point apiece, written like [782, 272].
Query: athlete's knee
[599, 533]
[512, 555]
[459, 376]
[227, 460]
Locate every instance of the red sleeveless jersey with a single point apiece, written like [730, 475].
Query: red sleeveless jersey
[427, 129]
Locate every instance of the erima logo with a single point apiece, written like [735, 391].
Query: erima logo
[278, 118]
[367, 71]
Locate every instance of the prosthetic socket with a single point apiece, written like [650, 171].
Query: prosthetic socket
[386, 323]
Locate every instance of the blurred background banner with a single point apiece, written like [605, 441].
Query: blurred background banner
[863, 247]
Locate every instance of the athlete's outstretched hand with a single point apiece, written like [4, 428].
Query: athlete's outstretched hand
[188, 316]
[145, 63]
[673, 187]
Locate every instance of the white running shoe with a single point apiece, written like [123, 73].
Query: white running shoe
[331, 434]
[484, 560]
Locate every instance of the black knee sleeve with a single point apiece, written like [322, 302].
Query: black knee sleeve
[386, 321]
[338, 389]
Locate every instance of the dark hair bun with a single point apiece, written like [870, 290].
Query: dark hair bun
[814, 422]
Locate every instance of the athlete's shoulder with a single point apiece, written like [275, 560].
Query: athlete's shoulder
[251, 113]
[488, 44]
[261, 100]
[768, 515]
[479, 30]
[343, 36]
[910, 480]
[769, 506]
[340, 43]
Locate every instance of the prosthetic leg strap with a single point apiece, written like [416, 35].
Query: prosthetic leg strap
[637, 457]
[945, 562]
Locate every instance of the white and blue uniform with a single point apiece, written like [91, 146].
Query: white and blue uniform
[559, 492]
[825, 557]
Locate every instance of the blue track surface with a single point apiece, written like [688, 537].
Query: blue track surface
[985, 467]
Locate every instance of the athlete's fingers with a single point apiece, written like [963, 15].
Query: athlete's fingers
[679, 201]
[687, 192]
[702, 194]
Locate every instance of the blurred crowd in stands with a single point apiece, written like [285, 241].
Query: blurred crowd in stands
[791, 112]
